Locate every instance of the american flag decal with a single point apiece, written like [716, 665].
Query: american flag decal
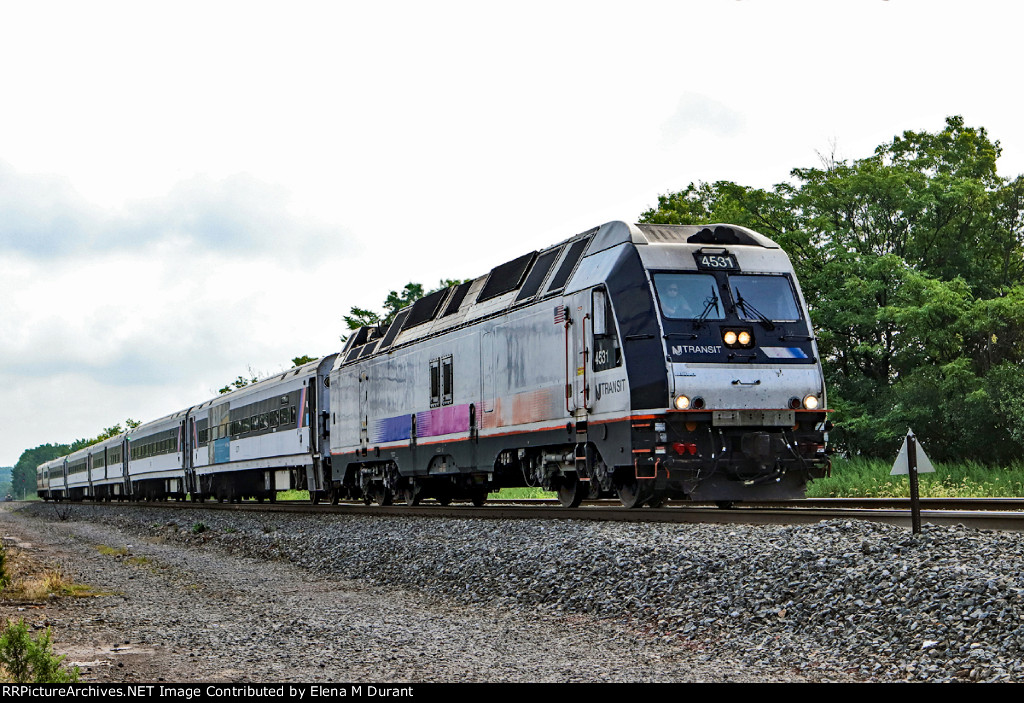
[559, 314]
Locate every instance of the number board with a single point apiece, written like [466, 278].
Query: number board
[717, 261]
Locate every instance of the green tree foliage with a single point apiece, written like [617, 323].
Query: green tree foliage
[23, 477]
[304, 359]
[109, 432]
[912, 262]
[241, 382]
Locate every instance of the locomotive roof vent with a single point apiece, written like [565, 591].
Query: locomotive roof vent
[717, 234]
[505, 278]
[425, 309]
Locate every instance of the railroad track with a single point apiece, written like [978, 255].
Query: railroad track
[979, 513]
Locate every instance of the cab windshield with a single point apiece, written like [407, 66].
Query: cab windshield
[689, 296]
[764, 298]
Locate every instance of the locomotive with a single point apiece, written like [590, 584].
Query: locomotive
[640, 361]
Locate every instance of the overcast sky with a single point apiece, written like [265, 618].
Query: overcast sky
[190, 190]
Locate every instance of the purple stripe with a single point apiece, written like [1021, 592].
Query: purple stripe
[445, 420]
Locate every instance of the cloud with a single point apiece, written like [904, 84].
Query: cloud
[699, 113]
[43, 217]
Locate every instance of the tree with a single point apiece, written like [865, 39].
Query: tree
[911, 261]
[23, 476]
[242, 381]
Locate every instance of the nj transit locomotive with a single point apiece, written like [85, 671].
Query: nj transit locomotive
[641, 361]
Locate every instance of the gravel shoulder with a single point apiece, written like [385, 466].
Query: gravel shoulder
[344, 597]
[179, 607]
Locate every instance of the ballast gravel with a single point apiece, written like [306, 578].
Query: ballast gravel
[241, 596]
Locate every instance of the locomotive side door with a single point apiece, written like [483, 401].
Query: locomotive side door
[364, 431]
[578, 326]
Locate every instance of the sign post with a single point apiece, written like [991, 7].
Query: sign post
[911, 461]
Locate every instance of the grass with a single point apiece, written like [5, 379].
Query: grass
[112, 551]
[27, 580]
[521, 493]
[293, 495]
[504, 493]
[869, 478]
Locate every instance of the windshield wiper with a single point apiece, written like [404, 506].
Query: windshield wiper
[712, 304]
[751, 310]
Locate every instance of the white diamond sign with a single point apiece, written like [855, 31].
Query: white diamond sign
[924, 466]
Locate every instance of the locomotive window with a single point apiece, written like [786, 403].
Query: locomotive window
[607, 353]
[689, 296]
[447, 380]
[764, 297]
[435, 382]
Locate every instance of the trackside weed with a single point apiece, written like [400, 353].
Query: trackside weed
[25, 659]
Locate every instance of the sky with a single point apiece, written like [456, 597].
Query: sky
[190, 191]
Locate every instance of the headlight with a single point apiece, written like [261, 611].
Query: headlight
[738, 337]
[682, 402]
[811, 402]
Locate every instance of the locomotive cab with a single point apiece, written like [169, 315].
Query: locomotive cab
[743, 415]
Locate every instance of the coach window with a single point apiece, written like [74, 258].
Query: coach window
[607, 354]
[447, 381]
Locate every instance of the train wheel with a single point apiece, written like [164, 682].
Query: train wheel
[410, 495]
[725, 504]
[478, 494]
[572, 491]
[383, 496]
[657, 501]
[632, 494]
[314, 497]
